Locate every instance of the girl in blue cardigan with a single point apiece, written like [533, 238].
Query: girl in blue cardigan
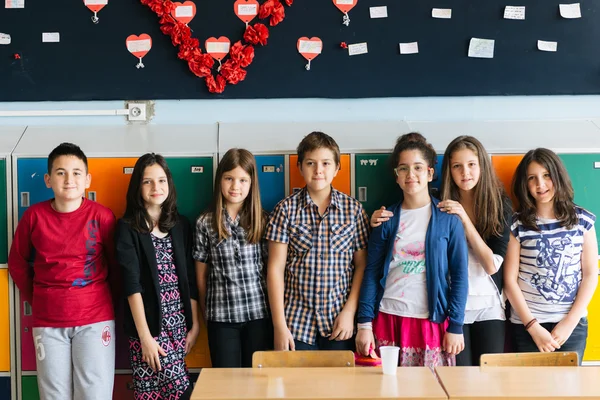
[415, 286]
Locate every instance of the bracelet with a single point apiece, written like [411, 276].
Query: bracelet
[530, 324]
[365, 325]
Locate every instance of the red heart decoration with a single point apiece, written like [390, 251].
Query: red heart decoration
[95, 5]
[139, 46]
[217, 48]
[184, 12]
[345, 5]
[246, 10]
[309, 48]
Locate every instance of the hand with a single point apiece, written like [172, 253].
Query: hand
[190, 339]
[543, 339]
[453, 207]
[380, 216]
[343, 326]
[283, 339]
[563, 330]
[365, 343]
[151, 352]
[453, 343]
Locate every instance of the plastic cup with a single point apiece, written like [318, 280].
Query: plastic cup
[389, 359]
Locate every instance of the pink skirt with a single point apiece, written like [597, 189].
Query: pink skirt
[420, 340]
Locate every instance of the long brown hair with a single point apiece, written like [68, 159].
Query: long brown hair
[489, 195]
[251, 213]
[135, 212]
[564, 207]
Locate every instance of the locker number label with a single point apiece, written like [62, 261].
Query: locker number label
[372, 163]
[197, 169]
[128, 170]
[268, 168]
[597, 165]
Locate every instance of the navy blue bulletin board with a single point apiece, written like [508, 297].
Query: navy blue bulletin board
[91, 61]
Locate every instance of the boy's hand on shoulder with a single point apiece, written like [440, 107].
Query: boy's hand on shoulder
[343, 326]
[283, 339]
[190, 339]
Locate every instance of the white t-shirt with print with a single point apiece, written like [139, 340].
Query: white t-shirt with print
[405, 292]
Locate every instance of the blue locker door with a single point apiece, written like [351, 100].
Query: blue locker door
[5, 387]
[271, 178]
[436, 183]
[31, 188]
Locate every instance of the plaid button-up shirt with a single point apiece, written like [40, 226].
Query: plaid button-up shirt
[319, 270]
[236, 289]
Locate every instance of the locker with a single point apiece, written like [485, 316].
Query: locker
[436, 183]
[4, 322]
[199, 357]
[341, 182]
[375, 182]
[5, 387]
[3, 213]
[29, 388]
[271, 179]
[193, 179]
[592, 349]
[505, 167]
[123, 389]
[110, 179]
[31, 188]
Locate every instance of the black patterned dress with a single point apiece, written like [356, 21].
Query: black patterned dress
[172, 381]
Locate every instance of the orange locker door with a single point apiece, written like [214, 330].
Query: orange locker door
[341, 182]
[110, 179]
[4, 322]
[505, 166]
[199, 357]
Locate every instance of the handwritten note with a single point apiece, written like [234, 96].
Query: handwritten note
[14, 4]
[547, 46]
[217, 47]
[135, 46]
[247, 9]
[95, 2]
[445, 13]
[378, 12]
[308, 46]
[409, 48]
[514, 12]
[570, 10]
[344, 1]
[4, 38]
[184, 11]
[481, 48]
[357, 48]
[50, 37]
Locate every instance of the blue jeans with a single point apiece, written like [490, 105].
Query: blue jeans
[576, 342]
[324, 343]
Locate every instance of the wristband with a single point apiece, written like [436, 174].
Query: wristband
[530, 324]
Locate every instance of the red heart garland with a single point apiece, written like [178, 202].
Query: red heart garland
[240, 54]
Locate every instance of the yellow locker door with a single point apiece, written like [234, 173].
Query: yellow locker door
[341, 182]
[4, 322]
[110, 179]
[505, 167]
[592, 348]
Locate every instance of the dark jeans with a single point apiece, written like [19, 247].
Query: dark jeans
[324, 343]
[231, 345]
[481, 338]
[576, 342]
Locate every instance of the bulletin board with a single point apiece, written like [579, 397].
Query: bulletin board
[91, 61]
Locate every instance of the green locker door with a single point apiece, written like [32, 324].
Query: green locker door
[193, 179]
[30, 388]
[3, 217]
[375, 183]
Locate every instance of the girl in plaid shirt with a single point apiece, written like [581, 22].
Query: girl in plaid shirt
[230, 259]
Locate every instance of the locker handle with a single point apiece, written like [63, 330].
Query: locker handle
[24, 199]
[362, 194]
[27, 309]
[92, 196]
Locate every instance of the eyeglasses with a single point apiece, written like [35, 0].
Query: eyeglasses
[404, 169]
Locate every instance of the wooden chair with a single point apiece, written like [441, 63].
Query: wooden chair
[554, 359]
[303, 358]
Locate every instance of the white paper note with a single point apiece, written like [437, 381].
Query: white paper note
[514, 12]
[441, 13]
[216, 47]
[307, 46]
[481, 48]
[4, 38]
[547, 46]
[247, 9]
[344, 1]
[357, 48]
[378, 12]
[409, 48]
[95, 2]
[139, 45]
[50, 37]
[14, 3]
[184, 11]
[570, 10]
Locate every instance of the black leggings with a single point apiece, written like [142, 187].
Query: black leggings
[231, 345]
[481, 338]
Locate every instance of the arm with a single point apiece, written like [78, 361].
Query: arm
[18, 260]
[275, 288]
[192, 334]
[108, 240]
[150, 349]
[201, 255]
[202, 276]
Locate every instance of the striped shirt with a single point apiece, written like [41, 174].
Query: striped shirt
[236, 289]
[319, 270]
[550, 265]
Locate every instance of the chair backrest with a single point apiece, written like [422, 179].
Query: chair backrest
[303, 358]
[554, 359]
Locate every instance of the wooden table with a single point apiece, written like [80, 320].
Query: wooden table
[316, 384]
[516, 383]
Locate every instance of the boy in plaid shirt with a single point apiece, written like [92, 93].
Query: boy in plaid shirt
[317, 256]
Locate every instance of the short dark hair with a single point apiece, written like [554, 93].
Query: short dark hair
[66, 149]
[136, 214]
[317, 140]
[413, 141]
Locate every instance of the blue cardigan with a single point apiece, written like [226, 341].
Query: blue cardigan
[446, 259]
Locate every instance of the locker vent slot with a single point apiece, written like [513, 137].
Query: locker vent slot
[24, 199]
[127, 170]
[268, 168]
[362, 193]
[26, 309]
[92, 196]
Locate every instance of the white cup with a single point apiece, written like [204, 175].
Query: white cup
[389, 359]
